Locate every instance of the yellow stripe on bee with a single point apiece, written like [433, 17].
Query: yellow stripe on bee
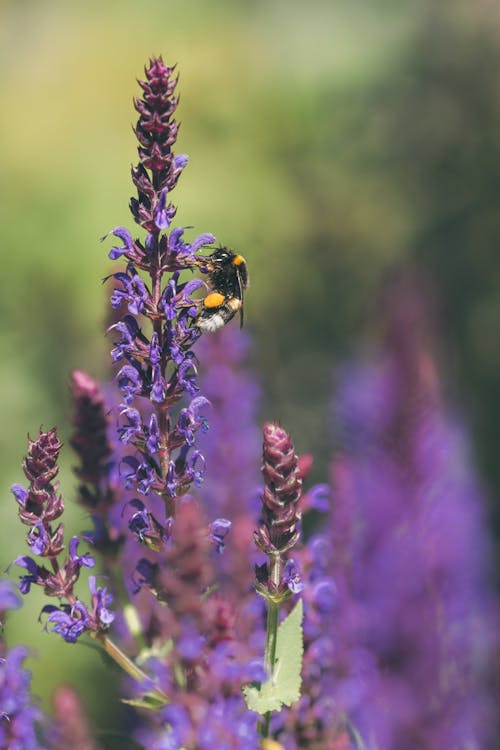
[214, 299]
[238, 260]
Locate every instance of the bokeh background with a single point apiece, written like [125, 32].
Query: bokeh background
[333, 142]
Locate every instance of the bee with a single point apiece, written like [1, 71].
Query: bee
[227, 280]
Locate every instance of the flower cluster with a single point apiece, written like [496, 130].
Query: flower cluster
[157, 366]
[19, 716]
[413, 619]
[98, 491]
[40, 506]
[202, 673]
[278, 530]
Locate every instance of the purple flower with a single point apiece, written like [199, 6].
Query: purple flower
[190, 644]
[147, 528]
[19, 717]
[100, 601]
[39, 539]
[68, 622]
[412, 612]
[129, 381]
[163, 213]
[79, 560]
[35, 574]
[125, 236]
[39, 506]
[133, 427]
[8, 598]
[293, 577]
[219, 529]
[161, 368]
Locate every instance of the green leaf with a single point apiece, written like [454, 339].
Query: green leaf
[283, 687]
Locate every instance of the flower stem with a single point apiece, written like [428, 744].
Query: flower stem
[129, 666]
[270, 653]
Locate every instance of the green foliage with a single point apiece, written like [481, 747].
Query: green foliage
[283, 686]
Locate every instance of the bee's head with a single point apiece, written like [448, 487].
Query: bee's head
[222, 256]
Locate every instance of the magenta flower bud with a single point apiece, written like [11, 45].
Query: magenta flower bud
[40, 502]
[40, 465]
[278, 531]
[90, 439]
[156, 131]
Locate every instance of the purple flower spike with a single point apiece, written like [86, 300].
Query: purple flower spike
[161, 368]
[279, 531]
[40, 505]
[413, 613]
[20, 719]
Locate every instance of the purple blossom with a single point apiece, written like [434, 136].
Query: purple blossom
[413, 608]
[125, 236]
[219, 529]
[19, 716]
[160, 368]
[100, 601]
[129, 380]
[163, 213]
[36, 574]
[38, 539]
[9, 600]
[293, 577]
[40, 505]
[68, 621]
[147, 528]
[84, 560]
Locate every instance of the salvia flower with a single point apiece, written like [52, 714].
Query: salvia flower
[205, 704]
[71, 728]
[39, 506]
[19, 715]
[156, 332]
[278, 532]
[413, 620]
[97, 468]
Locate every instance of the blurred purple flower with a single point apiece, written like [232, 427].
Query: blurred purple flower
[19, 716]
[412, 616]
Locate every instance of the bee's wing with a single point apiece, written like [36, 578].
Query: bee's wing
[241, 290]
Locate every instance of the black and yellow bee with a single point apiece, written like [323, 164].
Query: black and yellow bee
[227, 280]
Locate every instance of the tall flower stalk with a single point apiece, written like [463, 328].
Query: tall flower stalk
[277, 534]
[40, 508]
[413, 618]
[19, 715]
[156, 332]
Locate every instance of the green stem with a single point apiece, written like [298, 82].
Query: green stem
[270, 653]
[129, 666]
[271, 636]
[275, 570]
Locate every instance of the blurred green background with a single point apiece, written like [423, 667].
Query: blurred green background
[331, 141]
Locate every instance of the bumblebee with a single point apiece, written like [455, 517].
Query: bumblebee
[227, 281]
